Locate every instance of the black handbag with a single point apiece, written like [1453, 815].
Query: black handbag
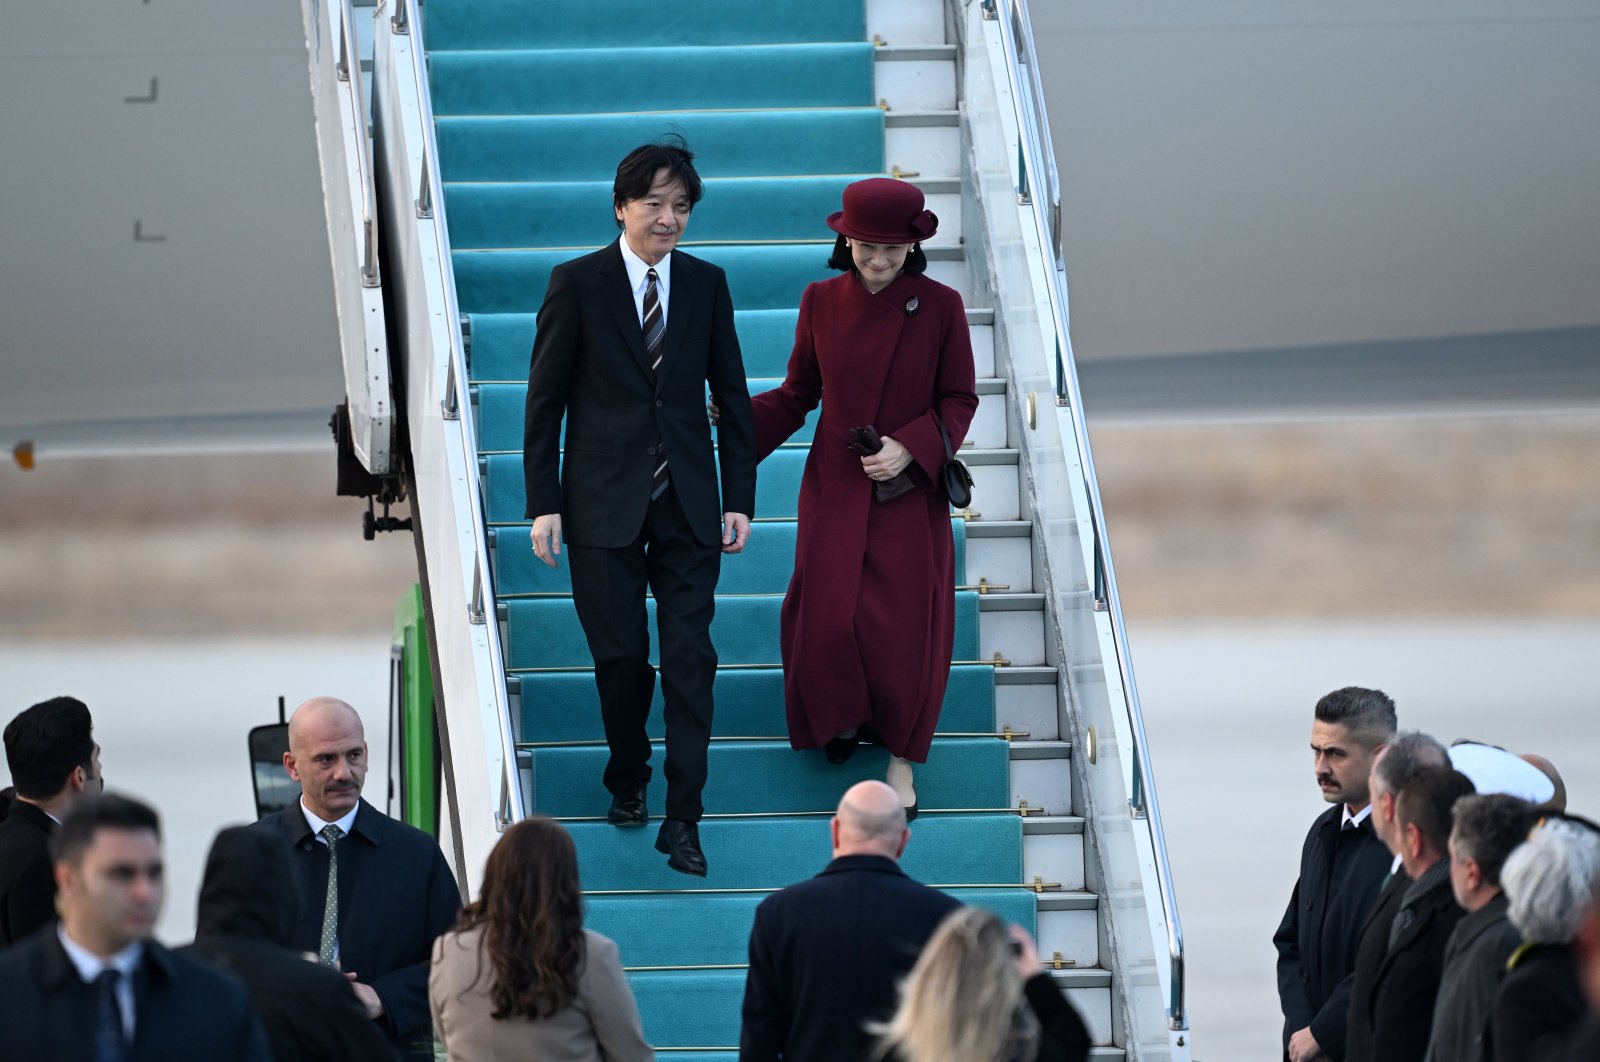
[957, 480]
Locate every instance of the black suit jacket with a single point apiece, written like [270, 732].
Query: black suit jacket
[185, 1010]
[396, 895]
[1394, 989]
[27, 875]
[589, 363]
[826, 956]
[1341, 874]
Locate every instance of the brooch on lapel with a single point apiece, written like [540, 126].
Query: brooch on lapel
[912, 305]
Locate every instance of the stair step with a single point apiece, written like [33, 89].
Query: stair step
[700, 1008]
[501, 407]
[770, 778]
[577, 214]
[624, 23]
[759, 277]
[682, 78]
[777, 485]
[565, 706]
[763, 568]
[545, 633]
[726, 143]
[649, 931]
[775, 851]
[500, 343]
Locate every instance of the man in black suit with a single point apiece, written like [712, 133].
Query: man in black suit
[628, 338]
[247, 911]
[1342, 867]
[393, 892]
[53, 757]
[827, 955]
[1401, 957]
[98, 987]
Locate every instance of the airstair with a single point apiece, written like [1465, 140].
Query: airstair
[496, 127]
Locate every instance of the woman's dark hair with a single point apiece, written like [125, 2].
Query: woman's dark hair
[637, 172]
[916, 260]
[531, 912]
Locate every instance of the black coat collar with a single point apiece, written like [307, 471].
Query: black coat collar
[875, 863]
[371, 824]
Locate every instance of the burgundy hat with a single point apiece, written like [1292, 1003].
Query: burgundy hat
[884, 210]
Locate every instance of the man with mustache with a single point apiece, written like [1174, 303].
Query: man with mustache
[1342, 867]
[374, 892]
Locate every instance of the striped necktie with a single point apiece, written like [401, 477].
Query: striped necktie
[655, 326]
[329, 946]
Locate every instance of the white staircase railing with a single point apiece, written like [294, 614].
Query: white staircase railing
[483, 787]
[1013, 171]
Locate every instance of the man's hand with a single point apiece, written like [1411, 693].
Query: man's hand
[888, 462]
[1303, 1047]
[368, 997]
[735, 532]
[546, 537]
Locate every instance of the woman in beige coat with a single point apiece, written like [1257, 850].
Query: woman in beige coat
[519, 977]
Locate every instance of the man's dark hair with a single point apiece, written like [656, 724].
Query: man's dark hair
[1426, 802]
[46, 742]
[637, 172]
[104, 812]
[916, 260]
[1488, 828]
[1367, 714]
[1407, 755]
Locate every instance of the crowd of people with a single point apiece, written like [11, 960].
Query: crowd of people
[1448, 905]
[329, 930]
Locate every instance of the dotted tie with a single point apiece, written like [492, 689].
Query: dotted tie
[108, 1043]
[330, 903]
[655, 326]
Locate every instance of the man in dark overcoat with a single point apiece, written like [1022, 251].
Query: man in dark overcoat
[248, 906]
[51, 751]
[628, 339]
[96, 986]
[1401, 957]
[392, 891]
[1487, 829]
[1342, 867]
[827, 955]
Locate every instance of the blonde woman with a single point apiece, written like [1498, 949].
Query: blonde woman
[978, 994]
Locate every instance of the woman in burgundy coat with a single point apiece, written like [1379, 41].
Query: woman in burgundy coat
[869, 620]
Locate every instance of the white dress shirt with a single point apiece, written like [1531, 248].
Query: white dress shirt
[90, 966]
[1358, 818]
[638, 279]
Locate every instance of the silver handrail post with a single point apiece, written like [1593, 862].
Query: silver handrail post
[350, 72]
[401, 22]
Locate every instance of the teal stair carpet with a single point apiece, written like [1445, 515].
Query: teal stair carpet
[777, 101]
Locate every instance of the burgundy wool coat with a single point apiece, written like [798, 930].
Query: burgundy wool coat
[869, 620]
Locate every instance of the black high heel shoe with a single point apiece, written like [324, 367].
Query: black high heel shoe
[841, 748]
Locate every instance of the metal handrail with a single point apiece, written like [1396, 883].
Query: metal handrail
[348, 69]
[511, 808]
[1038, 155]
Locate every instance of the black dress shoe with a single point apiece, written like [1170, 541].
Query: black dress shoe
[679, 841]
[627, 808]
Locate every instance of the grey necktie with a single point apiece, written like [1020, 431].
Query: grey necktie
[330, 903]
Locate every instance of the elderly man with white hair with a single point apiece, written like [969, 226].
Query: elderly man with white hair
[1551, 881]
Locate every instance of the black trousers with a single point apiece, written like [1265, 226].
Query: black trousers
[608, 588]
